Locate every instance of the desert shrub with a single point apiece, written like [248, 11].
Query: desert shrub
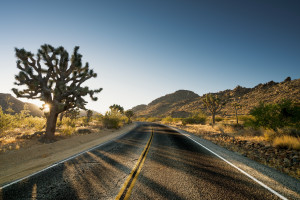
[141, 119]
[112, 119]
[153, 119]
[196, 118]
[278, 115]
[218, 119]
[176, 120]
[168, 119]
[183, 122]
[38, 123]
[81, 121]
[232, 128]
[289, 131]
[97, 117]
[270, 134]
[245, 118]
[266, 115]
[68, 122]
[287, 141]
[67, 130]
[6, 121]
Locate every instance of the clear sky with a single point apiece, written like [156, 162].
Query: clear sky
[142, 50]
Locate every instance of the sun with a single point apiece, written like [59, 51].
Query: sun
[46, 108]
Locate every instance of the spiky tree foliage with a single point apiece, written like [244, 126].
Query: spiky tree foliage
[55, 78]
[117, 107]
[73, 113]
[129, 114]
[214, 105]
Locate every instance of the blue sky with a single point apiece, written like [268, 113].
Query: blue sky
[142, 50]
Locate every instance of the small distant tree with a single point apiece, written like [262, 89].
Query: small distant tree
[214, 104]
[129, 114]
[236, 107]
[9, 105]
[55, 78]
[89, 114]
[117, 107]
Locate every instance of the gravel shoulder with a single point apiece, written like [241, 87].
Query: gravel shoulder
[20, 163]
[282, 183]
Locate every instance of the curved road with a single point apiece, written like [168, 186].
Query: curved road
[172, 167]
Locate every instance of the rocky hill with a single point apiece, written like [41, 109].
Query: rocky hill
[18, 105]
[183, 102]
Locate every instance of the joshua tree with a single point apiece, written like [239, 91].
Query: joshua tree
[72, 113]
[236, 107]
[214, 105]
[89, 114]
[117, 108]
[129, 114]
[55, 78]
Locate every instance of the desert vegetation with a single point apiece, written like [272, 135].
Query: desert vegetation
[16, 130]
[54, 78]
[269, 134]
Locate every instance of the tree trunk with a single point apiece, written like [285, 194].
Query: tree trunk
[237, 119]
[213, 118]
[51, 124]
[61, 116]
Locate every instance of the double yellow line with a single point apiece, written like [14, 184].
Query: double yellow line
[129, 183]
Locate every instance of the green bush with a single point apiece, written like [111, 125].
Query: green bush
[176, 120]
[153, 119]
[38, 123]
[112, 119]
[168, 119]
[7, 121]
[274, 116]
[67, 130]
[196, 118]
[141, 119]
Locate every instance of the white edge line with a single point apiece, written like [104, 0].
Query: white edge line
[62, 161]
[242, 171]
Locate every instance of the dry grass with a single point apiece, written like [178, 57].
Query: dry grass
[287, 141]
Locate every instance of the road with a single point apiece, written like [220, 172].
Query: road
[168, 166]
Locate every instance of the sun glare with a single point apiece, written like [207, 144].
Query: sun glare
[46, 108]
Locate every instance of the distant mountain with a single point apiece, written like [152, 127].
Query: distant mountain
[18, 105]
[166, 105]
[183, 102]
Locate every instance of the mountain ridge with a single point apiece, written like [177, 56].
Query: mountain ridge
[18, 105]
[179, 104]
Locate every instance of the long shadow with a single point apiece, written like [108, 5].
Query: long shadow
[88, 176]
[199, 164]
[100, 173]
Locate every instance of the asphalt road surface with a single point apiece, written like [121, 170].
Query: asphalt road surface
[168, 166]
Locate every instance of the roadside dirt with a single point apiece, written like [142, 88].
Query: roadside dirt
[16, 164]
[284, 160]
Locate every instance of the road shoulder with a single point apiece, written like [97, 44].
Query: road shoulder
[288, 186]
[21, 163]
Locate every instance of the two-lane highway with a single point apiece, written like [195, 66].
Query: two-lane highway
[170, 166]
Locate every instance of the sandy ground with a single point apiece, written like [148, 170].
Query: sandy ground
[17, 164]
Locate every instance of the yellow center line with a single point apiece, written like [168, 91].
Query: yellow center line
[129, 183]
